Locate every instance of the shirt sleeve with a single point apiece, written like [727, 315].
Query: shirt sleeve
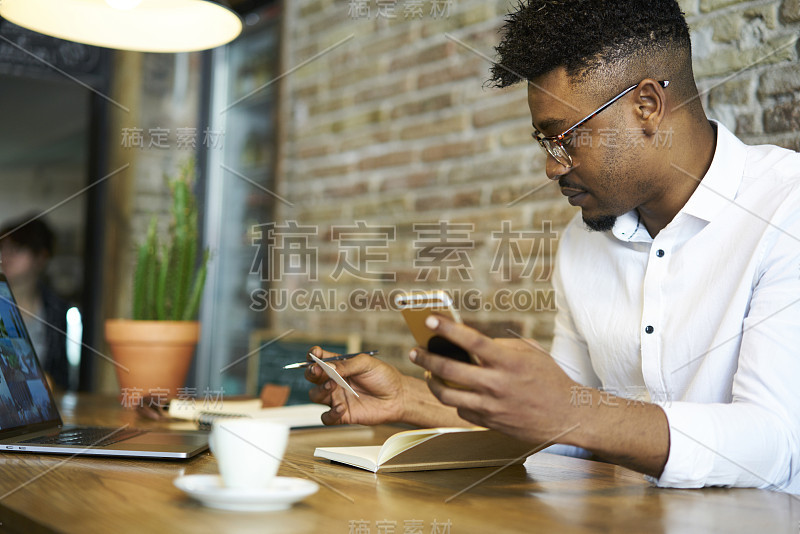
[754, 441]
[569, 349]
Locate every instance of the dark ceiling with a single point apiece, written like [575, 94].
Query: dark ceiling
[245, 6]
[44, 122]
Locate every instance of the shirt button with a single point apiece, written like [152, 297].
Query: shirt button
[660, 253]
[649, 329]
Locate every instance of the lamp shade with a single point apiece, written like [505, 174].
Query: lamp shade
[140, 25]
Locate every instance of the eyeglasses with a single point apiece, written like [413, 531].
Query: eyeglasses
[556, 145]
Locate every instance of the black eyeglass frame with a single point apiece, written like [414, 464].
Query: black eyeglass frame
[550, 144]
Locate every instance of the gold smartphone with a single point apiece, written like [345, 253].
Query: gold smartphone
[416, 307]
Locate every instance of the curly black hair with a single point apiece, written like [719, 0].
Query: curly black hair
[581, 35]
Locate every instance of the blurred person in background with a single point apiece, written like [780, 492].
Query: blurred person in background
[26, 247]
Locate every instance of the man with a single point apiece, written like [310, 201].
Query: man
[678, 288]
[26, 247]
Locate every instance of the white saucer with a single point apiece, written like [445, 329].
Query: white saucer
[283, 492]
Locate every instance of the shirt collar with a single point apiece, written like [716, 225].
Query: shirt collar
[721, 182]
[716, 190]
[629, 227]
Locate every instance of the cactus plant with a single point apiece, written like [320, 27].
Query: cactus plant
[168, 280]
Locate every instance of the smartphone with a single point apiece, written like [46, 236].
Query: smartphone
[416, 307]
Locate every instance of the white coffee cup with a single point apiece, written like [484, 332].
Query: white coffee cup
[248, 451]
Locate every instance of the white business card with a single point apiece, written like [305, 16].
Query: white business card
[336, 377]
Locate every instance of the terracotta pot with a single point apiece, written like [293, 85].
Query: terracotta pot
[153, 357]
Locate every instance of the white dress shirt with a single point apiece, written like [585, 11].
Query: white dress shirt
[703, 320]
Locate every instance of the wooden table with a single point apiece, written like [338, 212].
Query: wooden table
[549, 494]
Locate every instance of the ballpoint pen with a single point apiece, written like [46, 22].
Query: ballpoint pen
[299, 365]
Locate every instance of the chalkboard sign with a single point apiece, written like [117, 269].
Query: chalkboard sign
[272, 352]
[30, 54]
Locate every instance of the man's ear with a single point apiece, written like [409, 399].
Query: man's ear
[651, 105]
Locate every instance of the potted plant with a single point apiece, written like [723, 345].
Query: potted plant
[154, 350]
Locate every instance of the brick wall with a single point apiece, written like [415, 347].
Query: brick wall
[388, 123]
[745, 59]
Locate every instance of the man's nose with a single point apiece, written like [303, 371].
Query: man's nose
[554, 169]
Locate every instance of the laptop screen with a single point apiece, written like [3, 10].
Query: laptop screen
[25, 398]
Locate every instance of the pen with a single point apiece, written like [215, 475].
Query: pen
[334, 359]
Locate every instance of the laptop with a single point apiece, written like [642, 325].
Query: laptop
[29, 418]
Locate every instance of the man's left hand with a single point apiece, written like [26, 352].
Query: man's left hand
[517, 389]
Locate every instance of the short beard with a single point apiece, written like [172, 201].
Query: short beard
[603, 223]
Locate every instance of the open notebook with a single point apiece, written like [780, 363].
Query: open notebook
[433, 448]
[295, 416]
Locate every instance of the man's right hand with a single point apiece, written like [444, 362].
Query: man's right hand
[380, 386]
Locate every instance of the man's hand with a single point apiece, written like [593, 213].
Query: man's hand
[385, 395]
[379, 385]
[518, 389]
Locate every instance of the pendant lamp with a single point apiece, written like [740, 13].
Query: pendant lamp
[139, 25]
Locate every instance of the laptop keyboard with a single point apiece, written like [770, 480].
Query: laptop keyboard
[86, 437]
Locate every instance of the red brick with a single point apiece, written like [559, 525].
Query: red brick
[428, 55]
[462, 199]
[310, 130]
[314, 212]
[455, 150]
[467, 199]
[307, 91]
[455, 20]
[315, 151]
[380, 206]
[392, 159]
[354, 75]
[517, 109]
[489, 169]
[356, 141]
[518, 134]
[483, 39]
[331, 170]
[415, 107]
[321, 106]
[353, 121]
[784, 117]
[470, 67]
[409, 181]
[384, 91]
[392, 43]
[428, 128]
[346, 190]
